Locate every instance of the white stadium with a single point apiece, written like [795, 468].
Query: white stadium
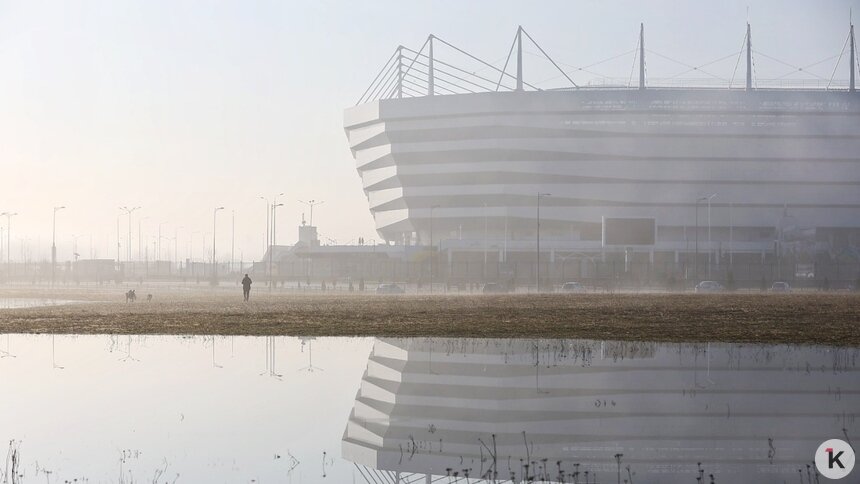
[746, 173]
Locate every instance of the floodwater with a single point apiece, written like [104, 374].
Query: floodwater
[344, 410]
[20, 302]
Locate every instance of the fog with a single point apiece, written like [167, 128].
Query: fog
[179, 109]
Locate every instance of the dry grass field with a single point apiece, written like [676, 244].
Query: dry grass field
[829, 319]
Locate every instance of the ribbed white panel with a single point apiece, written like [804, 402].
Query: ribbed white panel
[609, 154]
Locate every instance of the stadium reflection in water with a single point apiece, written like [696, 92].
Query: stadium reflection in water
[589, 411]
[280, 409]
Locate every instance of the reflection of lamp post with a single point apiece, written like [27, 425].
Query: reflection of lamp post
[214, 364]
[54, 244]
[271, 351]
[310, 368]
[53, 354]
[214, 261]
[537, 254]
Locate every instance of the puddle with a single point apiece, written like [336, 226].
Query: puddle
[281, 409]
[16, 302]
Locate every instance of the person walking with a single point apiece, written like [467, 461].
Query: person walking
[246, 286]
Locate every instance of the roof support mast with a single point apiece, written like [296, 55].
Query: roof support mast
[749, 59]
[431, 88]
[851, 40]
[520, 58]
[400, 72]
[641, 56]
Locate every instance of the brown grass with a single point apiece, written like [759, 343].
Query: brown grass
[828, 319]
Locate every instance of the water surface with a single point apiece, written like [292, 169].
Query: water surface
[20, 302]
[281, 409]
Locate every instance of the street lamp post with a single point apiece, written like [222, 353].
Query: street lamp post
[311, 203]
[176, 247]
[203, 252]
[139, 237]
[54, 245]
[191, 250]
[214, 260]
[537, 254]
[275, 206]
[167, 258]
[9, 216]
[731, 239]
[710, 245]
[158, 249]
[268, 214]
[118, 255]
[484, 268]
[432, 248]
[75, 252]
[270, 231]
[128, 211]
[696, 260]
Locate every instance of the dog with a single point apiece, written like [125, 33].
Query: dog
[148, 297]
[130, 296]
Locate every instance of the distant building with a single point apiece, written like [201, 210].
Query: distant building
[95, 270]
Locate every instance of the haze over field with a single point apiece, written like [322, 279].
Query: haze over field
[179, 109]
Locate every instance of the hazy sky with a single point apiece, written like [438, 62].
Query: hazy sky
[180, 106]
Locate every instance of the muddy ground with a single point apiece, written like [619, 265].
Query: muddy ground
[814, 318]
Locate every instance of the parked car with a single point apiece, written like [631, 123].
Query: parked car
[709, 286]
[492, 288]
[572, 287]
[780, 287]
[389, 289]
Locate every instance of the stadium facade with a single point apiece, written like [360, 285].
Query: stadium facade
[647, 171]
